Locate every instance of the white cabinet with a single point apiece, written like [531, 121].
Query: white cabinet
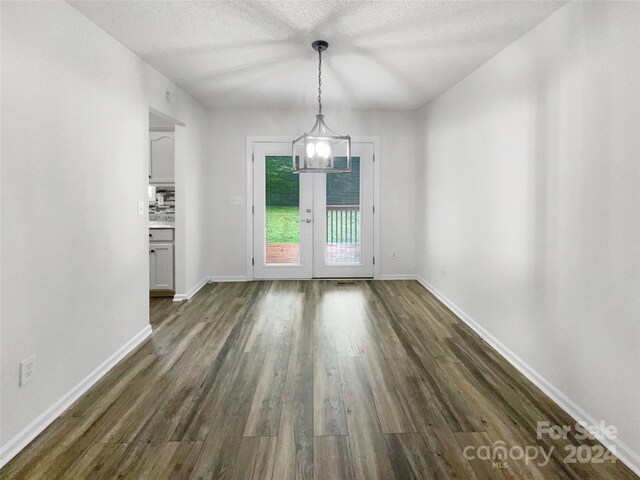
[162, 157]
[161, 234]
[161, 269]
[161, 266]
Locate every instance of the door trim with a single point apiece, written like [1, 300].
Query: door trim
[251, 139]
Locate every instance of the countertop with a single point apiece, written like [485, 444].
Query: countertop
[154, 224]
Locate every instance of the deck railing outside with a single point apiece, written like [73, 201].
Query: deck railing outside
[343, 224]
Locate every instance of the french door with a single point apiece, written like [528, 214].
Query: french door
[311, 225]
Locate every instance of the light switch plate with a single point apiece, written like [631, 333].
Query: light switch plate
[140, 208]
[237, 200]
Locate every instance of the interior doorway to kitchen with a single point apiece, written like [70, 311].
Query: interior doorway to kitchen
[312, 225]
[162, 206]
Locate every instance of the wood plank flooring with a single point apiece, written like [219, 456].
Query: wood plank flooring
[287, 379]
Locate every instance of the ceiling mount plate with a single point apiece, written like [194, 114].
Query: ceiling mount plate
[320, 45]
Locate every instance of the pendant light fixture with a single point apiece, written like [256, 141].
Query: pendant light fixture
[321, 150]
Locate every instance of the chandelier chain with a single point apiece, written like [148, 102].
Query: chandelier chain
[320, 80]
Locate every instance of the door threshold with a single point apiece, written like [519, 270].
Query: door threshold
[340, 279]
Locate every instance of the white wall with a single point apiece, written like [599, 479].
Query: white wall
[74, 155]
[527, 189]
[531, 173]
[230, 128]
[192, 159]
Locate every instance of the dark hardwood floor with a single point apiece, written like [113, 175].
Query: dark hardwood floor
[291, 379]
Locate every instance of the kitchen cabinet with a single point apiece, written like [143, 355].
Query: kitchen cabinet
[161, 235]
[161, 264]
[162, 157]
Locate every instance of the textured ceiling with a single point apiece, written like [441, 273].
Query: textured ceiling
[257, 54]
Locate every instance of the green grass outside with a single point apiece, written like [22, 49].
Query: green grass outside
[283, 225]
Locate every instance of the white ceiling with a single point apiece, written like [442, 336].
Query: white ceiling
[257, 54]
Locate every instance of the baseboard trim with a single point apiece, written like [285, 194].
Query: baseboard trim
[243, 278]
[180, 297]
[31, 431]
[229, 278]
[624, 453]
[396, 276]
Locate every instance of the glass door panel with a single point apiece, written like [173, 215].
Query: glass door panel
[282, 211]
[282, 224]
[343, 237]
[343, 215]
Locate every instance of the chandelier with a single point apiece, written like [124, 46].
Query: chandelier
[321, 150]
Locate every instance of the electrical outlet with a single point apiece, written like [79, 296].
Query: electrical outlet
[27, 370]
[394, 255]
[140, 208]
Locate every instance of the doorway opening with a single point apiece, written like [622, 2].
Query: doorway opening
[162, 206]
[311, 225]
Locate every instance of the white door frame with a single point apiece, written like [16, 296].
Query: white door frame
[251, 139]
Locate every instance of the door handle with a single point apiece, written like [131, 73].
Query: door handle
[307, 220]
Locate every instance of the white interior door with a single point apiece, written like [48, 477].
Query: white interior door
[311, 225]
[343, 226]
[282, 215]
